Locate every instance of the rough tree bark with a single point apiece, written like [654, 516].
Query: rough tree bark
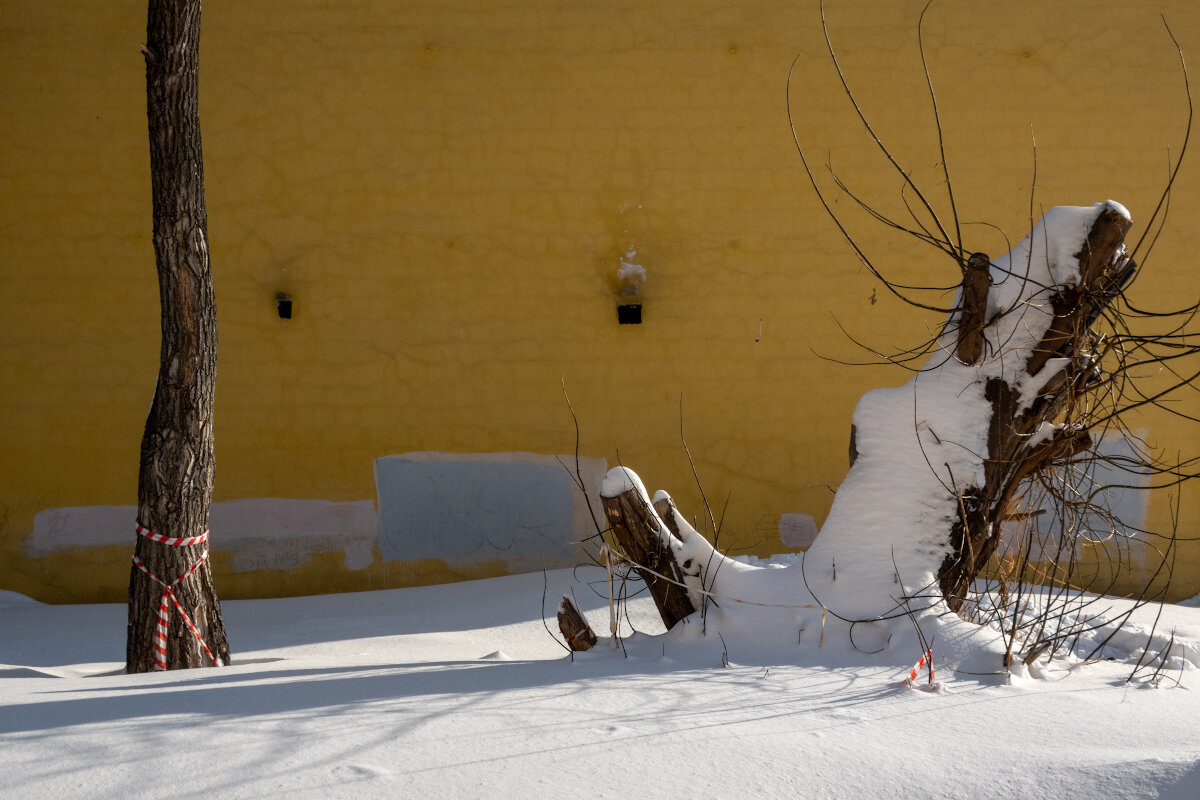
[977, 280]
[175, 478]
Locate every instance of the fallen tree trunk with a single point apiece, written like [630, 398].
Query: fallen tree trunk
[940, 463]
[1015, 451]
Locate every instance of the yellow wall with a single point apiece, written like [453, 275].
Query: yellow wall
[445, 187]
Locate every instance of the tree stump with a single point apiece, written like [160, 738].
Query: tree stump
[643, 538]
[575, 629]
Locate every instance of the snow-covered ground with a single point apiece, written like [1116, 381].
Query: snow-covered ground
[459, 691]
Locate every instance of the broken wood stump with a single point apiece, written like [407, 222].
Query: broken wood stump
[575, 629]
[643, 539]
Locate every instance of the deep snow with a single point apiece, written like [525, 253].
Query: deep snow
[459, 691]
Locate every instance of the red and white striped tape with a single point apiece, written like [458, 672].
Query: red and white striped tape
[926, 658]
[168, 596]
[173, 542]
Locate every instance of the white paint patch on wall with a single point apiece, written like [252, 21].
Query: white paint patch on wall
[270, 533]
[520, 508]
[59, 529]
[523, 509]
[262, 533]
[797, 531]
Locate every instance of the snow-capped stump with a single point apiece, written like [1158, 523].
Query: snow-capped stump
[664, 506]
[646, 541]
[937, 462]
[575, 629]
[1077, 296]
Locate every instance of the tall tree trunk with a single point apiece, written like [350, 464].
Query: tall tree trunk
[175, 478]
